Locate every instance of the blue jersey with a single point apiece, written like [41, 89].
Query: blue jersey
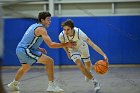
[27, 49]
[30, 40]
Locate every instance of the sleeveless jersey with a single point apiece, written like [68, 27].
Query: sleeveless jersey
[30, 40]
[79, 37]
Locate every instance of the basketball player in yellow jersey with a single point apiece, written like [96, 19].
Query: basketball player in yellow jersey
[80, 51]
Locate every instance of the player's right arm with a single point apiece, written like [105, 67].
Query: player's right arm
[41, 31]
[67, 52]
[61, 39]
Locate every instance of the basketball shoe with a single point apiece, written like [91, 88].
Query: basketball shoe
[14, 85]
[96, 85]
[53, 87]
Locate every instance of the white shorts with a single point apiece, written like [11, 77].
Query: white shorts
[81, 53]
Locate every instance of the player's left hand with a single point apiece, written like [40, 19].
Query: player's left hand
[43, 50]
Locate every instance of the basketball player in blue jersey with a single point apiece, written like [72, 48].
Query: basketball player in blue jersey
[80, 51]
[29, 52]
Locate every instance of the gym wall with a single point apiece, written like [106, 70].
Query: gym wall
[111, 24]
[117, 36]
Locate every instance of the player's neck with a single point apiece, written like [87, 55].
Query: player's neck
[72, 33]
[42, 24]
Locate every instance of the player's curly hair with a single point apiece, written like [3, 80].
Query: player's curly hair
[69, 23]
[43, 15]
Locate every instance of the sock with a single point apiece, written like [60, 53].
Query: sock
[15, 81]
[50, 82]
[92, 80]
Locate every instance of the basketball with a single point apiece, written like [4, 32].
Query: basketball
[101, 67]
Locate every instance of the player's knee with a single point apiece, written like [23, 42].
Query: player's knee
[25, 68]
[79, 64]
[50, 61]
[76, 57]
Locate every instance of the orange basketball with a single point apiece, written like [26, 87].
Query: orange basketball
[101, 67]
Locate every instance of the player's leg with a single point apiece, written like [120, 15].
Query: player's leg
[22, 70]
[77, 59]
[23, 57]
[88, 75]
[86, 58]
[88, 65]
[84, 50]
[83, 69]
[49, 67]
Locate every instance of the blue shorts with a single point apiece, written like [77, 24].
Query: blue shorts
[28, 56]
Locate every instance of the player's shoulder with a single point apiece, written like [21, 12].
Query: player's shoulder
[40, 27]
[61, 33]
[40, 30]
[77, 29]
[36, 25]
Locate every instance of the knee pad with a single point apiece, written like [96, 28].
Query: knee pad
[75, 56]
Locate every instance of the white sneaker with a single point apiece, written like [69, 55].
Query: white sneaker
[96, 86]
[52, 87]
[14, 85]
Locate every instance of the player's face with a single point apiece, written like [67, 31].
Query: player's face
[67, 30]
[47, 21]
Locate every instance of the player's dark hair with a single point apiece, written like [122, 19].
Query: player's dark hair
[43, 15]
[69, 23]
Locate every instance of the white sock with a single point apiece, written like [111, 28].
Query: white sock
[50, 82]
[15, 81]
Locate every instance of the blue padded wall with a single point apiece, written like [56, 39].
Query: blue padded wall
[13, 32]
[14, 29]
[117, 36]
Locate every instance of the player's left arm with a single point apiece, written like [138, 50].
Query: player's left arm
[84, 37]
[96, 48]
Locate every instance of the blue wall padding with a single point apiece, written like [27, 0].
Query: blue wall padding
[117, 36]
